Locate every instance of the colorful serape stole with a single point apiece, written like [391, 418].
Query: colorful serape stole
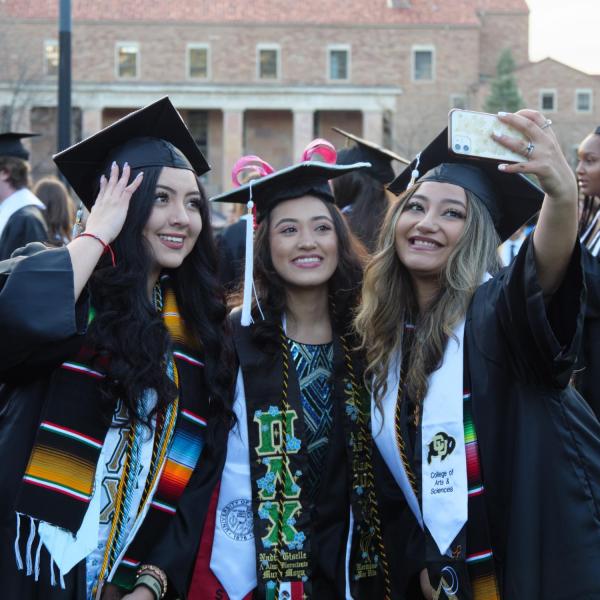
[480, 558]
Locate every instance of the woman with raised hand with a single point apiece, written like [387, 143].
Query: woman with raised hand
[469, 366]
[114, 360]
[296, 514]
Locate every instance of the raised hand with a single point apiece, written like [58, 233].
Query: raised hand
[110, 209]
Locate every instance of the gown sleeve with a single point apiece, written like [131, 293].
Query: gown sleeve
[543, 338]
[37, 305]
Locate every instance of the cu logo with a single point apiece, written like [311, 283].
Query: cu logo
[442, 445]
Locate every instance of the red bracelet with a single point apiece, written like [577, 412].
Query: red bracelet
[106, 246]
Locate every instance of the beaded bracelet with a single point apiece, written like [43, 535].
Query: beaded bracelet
[106, 246]
[152, 583]
[157, 574]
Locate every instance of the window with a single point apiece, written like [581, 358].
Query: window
[548, 100]
[583, 101]
[458, 101]
[268, 62]
[423, 67]
[197, 61]
[51, 58]
[339, 63]
[127, 63]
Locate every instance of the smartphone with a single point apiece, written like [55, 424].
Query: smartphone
[470, 135]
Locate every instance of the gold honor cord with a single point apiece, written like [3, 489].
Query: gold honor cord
[117, 523]
[400, 442]
[367, 440]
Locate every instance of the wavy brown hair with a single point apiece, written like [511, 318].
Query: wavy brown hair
[389, 299]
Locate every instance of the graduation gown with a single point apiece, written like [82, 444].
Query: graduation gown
[539, 442]
[24, 226]
[42, 327]
[588, 368]
[329, 520]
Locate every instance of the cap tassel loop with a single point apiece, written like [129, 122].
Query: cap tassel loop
[415, 172]
[248, 264]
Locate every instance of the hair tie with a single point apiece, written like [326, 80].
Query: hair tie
[248, 168]
[322, 149]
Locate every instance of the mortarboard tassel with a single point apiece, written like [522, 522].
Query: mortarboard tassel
[248, 264]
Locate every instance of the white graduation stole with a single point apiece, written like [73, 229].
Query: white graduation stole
[233, 557]
[443, 464]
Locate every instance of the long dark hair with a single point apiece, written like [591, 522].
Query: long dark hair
[128, 329]
[344, 285]
[60, 208]
[368, 202]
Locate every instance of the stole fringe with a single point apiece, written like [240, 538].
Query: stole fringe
[32, 565]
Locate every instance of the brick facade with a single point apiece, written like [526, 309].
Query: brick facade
[276, 118]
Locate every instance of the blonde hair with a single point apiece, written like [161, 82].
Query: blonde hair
[389, 300]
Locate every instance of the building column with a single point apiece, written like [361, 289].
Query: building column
[233, 136]
[303, 132]
[91, 121]
[373, 126]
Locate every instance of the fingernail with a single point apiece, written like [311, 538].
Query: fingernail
[496, 133]
[114, 164]
[141, 174]
[502, 167]
[126, 164]
[502, 114]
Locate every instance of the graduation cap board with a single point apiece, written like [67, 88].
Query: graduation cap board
[365, 151]
[308, 178]
[512, 199]
[11, 145]
[153, 136]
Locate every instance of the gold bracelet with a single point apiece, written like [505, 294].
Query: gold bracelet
[157, 573]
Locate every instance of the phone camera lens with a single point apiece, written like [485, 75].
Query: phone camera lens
[457, 146]
[466, 148]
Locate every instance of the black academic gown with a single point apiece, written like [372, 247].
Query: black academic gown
[24, 226]
[539, 441]
[329, 520]
[588, 375]
[231, 244]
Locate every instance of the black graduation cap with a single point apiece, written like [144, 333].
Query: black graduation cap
[365, 151]
[10, 144]
[512, 199]
[153, 136]
[305, 178]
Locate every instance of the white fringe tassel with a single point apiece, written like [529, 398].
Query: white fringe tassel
[248, 267]
[28, 556]
[17, 549]
[36, 567]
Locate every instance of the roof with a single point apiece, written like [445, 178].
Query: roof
[345, 12]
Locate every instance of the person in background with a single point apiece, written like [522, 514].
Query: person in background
[510, 248]
[361, 195]
[21, 213]
[588, 178]
[60, 209]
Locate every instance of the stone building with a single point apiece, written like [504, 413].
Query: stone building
[265, 77]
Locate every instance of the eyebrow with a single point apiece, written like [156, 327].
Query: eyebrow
[170, 189]
[291, 220]
[446, 200]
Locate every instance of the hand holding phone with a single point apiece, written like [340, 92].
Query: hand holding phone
[470, 135]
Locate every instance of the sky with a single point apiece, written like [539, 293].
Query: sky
[567, 30]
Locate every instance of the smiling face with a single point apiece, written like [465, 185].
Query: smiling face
[175, 222]
[303, 242]
[588, 166]
[429, 227]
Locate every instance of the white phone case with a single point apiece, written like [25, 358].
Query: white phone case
[471, 135]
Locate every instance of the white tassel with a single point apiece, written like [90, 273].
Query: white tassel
[28, 556]
[52, 576]
[17, 549]
[36, 567]
[62, 579]
[415, 172]
[248, 265]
